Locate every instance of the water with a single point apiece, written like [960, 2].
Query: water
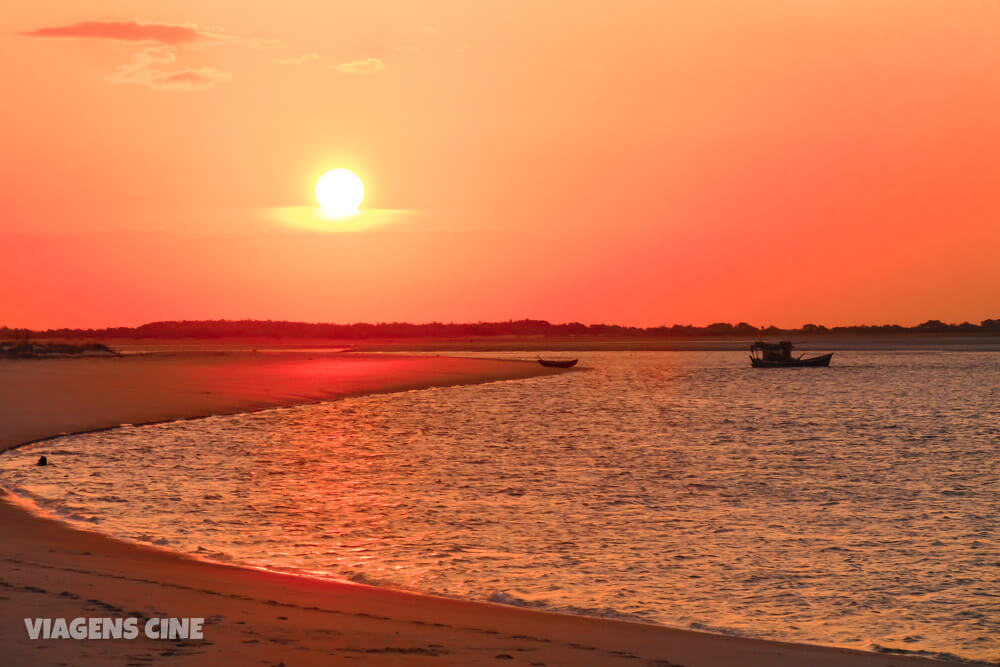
[853, 506]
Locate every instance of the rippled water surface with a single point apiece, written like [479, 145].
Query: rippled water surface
[855, 505]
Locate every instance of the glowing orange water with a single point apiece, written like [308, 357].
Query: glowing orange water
[854, 505]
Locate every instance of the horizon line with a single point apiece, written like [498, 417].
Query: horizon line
[245, 328]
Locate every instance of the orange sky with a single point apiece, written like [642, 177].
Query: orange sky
[633, 162]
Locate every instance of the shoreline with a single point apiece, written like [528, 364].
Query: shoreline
[830, 341]
[46, 554]
[30, 507]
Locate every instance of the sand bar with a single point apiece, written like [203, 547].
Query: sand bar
[49, 569]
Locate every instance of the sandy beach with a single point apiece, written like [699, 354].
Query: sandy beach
[50, 569]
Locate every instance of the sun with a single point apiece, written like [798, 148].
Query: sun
[339, 192]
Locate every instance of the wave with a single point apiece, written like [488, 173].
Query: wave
[934, 655]
[500, 597]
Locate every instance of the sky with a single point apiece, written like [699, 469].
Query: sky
[776, 162]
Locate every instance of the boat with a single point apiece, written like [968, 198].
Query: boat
[558, 363]
[779, 355]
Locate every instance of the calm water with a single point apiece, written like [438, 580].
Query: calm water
[855, 505]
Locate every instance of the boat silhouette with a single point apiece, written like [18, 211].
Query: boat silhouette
[558, 363]
[779, 355]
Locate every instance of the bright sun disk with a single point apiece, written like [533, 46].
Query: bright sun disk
[339, 192]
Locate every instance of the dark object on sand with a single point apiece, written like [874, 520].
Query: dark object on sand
[30, 350]
[558, 363]
[779, 355]
[42, 461]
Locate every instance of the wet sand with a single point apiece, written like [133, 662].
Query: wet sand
[49, 569]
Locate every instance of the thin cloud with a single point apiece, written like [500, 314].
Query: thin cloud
[129, 31]
[297, 60]
[361, 67]
[150, 67]
[267, 43]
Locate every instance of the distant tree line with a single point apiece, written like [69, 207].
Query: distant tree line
[29, 350]
[207, 329]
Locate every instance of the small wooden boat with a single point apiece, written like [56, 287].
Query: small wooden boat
[779, 355]
[558, 363]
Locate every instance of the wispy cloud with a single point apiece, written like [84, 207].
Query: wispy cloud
[297, 60]
[167, 34]
[265, 44]
[130, 31]
[151, 67]
[156, 65]
[360, 67]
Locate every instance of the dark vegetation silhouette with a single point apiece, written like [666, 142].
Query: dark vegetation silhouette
[218, 329]
[24, 349]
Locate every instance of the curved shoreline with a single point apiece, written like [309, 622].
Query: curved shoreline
[47, 565]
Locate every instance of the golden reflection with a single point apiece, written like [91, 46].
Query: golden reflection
[313, 219]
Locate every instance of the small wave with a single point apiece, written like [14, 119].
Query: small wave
[110, 499]
[714, 629]
[362, 578]
[934, 655]
[500, 597]
[214, 555]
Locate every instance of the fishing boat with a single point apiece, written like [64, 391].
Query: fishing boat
[558, 363]
[779, 355]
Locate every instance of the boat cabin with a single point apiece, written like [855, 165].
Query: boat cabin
[772, 351]
[779, 355]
